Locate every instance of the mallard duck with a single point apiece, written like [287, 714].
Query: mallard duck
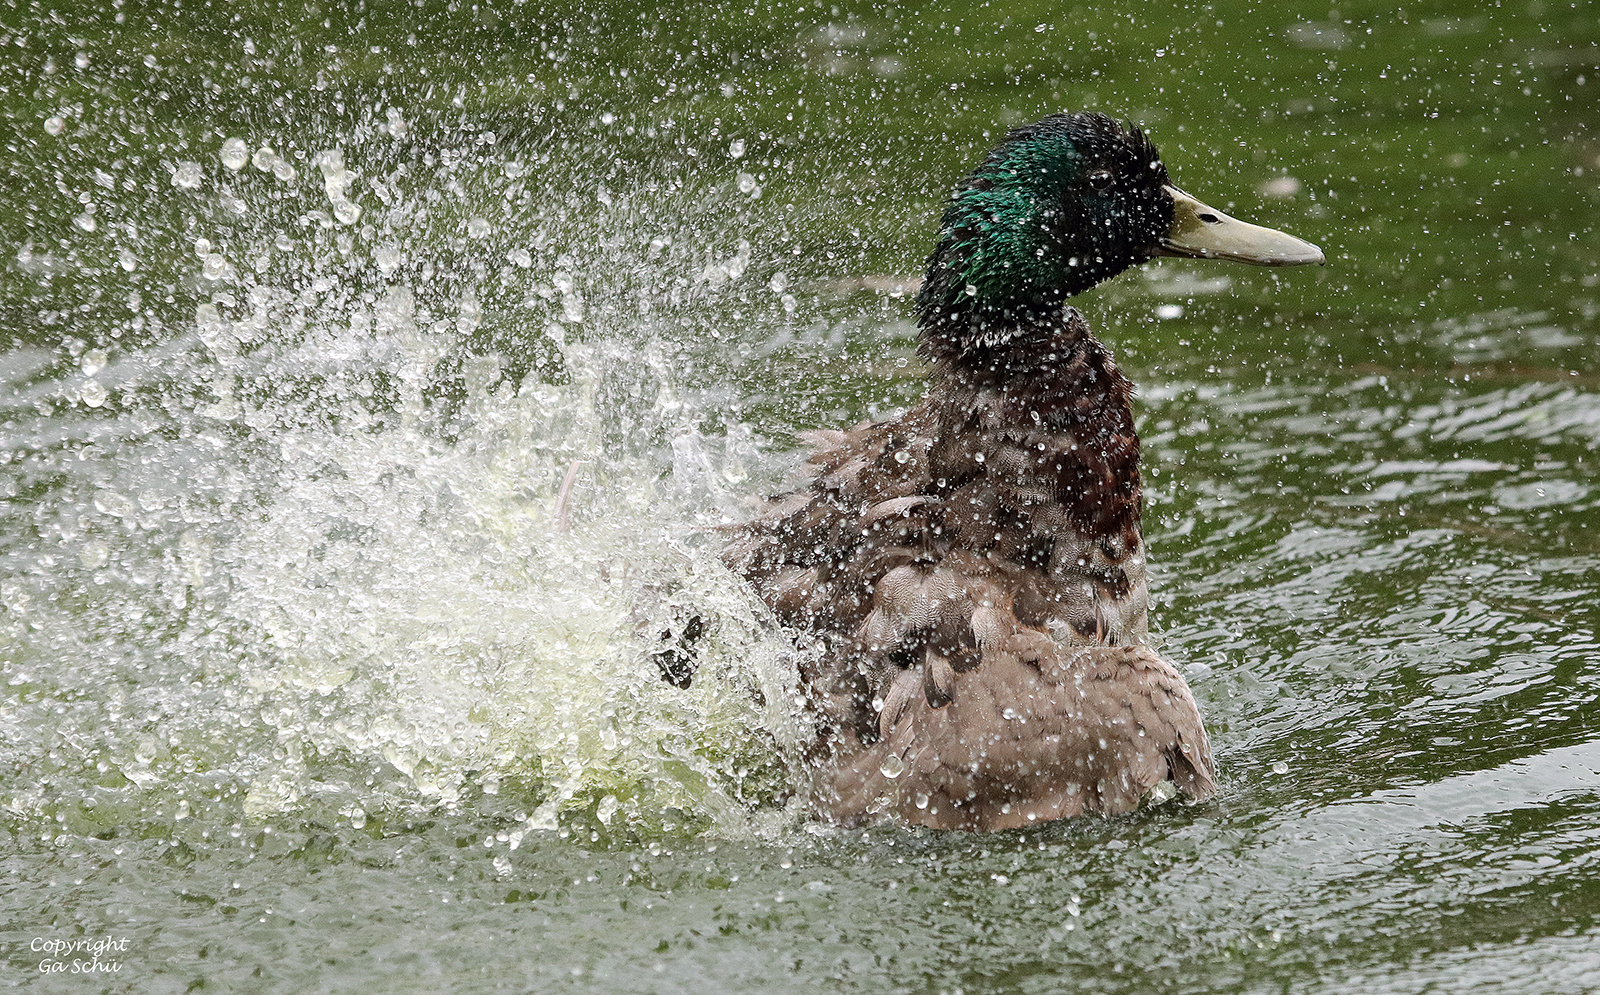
[973, 570]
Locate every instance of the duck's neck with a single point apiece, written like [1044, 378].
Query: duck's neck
[1050, 379]
[997, 345]
[962, 323]
[1057, 376]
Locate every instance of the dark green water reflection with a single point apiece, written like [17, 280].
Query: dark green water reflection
[294, 669]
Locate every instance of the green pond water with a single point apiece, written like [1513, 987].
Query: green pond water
[312, 683]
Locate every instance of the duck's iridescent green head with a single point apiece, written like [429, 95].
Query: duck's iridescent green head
[1054, 209]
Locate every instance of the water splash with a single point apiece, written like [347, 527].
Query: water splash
[316, 536]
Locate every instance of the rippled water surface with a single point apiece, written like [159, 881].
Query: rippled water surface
[314, 681]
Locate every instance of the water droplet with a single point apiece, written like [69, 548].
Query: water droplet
[187, 175]
[1280, 188]
[81, 60]
[92, 362]
[478, 228]
[346, 212]
[335, 178]
[210, 326]
[520, 258]
[1167, 312]
[94, 554]
[85, 221]
[921, 799]
[736, 149]
[215, 268]
[747, 184]
[234, 154]
[1280, 767]
[55, 124]
[109, 502]
[93, 394]
[779, 282]
[892, 766]
[127, 260]
[388, 258]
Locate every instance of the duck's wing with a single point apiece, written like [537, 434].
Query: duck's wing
[919, 534]
[816, 555]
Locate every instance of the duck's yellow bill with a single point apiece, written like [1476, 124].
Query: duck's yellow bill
[1206, 233]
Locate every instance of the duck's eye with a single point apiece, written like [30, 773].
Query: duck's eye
[1101, 179]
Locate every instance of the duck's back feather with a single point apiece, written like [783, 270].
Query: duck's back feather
[1045, 732]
